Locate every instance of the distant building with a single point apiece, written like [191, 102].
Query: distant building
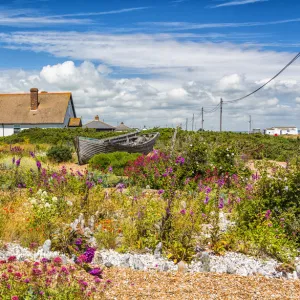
[99, 125]
[292, 130]
[35, 110]
[256, 130]
[122, 127]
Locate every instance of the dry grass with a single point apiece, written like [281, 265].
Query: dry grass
[130, 284]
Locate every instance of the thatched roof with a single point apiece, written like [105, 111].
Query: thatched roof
[75, 122]
[122, 127]
[52, 108]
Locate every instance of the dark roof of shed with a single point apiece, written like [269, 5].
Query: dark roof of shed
[98, 125]
[122, 127]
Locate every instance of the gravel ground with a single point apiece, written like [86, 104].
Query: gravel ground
[132, 284]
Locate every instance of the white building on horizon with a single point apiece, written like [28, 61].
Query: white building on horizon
[288, 130]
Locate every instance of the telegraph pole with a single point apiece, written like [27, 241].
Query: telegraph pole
[221, 112]
[186, 124]
[202, 120]
[250, 124]
[193, 122]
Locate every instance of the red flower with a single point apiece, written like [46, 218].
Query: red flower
[12, 258]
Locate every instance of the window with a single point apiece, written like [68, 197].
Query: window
[17, 128]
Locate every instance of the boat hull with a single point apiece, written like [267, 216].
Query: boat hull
[86, 148]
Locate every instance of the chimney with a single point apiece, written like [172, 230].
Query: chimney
[34, 99]
[97, 118]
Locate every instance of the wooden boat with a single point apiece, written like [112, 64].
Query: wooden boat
[86, 148]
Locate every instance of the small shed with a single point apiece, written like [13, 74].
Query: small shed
[122, 127]
[75, 122]
[99, 125]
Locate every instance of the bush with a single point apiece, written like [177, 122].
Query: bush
[117, 160]
[59, 154]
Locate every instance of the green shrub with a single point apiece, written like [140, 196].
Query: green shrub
[59, 154]
[117, 160]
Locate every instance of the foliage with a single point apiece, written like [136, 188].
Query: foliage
[59, 154]
[46, 279]
[116, 160]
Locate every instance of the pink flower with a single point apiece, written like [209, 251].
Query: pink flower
[14, 298]
[183, 212]
[12, 258]
[57, 261]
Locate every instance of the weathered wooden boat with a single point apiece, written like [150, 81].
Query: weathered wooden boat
[132, 142]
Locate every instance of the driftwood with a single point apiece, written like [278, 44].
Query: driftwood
[131, 143]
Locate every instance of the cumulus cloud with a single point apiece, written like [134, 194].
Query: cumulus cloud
[137, 102]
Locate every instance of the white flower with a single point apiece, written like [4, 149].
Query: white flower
[232, 154]
[285, 179]
[54, 199]
[45, 193]
[191, 145]
[47, 205]
[39, 192]
[70, 203]
[227, 154]
[33, 201]
[286, 188]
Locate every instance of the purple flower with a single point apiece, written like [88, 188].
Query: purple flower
[191, 213]
[221, 203]
[89, 184]
[89, 253]
[268, 214]
[96, 272]
[180, 160]
[206, 200]
[110, 169]
[183, 212]
[238, 200]
[164, 175]
[120, 186]
[160, 192]
[207, 190]
[44, 260]
[78, 241]
[18, 162]
[100, 180]
[38, 164]
[32, 154]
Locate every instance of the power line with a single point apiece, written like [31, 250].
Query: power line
[281, 71]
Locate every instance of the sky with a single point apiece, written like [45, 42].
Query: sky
[156, 63]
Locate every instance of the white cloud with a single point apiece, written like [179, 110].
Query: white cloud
[136, 102]
[298, 99]
[238, 2]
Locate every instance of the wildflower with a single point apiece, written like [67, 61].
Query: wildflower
[54, 199]
[96, 272]
[18, 275]
[13, 160]
[78, 241]
[90, 253]
[12, 258]
[120, 187]
[14, 298]
[47, 205]
[57, 261]
[268, 214]
[180, 160]
[160, 192]
[69, 203]
[221, 203]
[108, 281]
[18, 162]
[206, 200]
[238, 200]
[100, 180]
[33, 201]
[183, 212]
[27, 280]
[65, 270]
[191, 213]
[89, 184]
[207, 190]
[97, 280]
[286, 188]
[110, 169]
[32, 154]
[44, 260]
[36, 272]
[44, 193]
[81, 259]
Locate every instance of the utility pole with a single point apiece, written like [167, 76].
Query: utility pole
[221, 112]
[186, 124]
[202, 120]
[193, 122]
[250, 124]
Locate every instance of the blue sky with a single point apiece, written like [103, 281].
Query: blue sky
[127, 59]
